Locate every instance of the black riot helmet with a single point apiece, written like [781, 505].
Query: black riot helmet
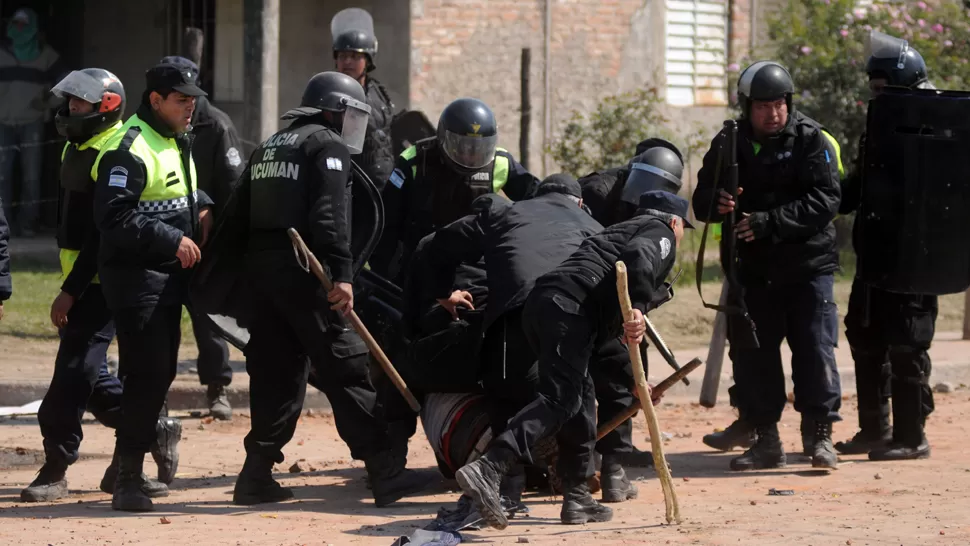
[337, 93]
[98, 87]
[657, 169]
[893, 59]
[353, 30]
[764, 81]
[468, 134]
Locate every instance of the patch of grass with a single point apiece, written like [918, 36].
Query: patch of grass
[35, 285]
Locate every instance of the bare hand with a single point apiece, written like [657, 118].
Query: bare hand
[653, 400]
[60, 308]
[633, 330]
[1, 310]
[188, 253]
[205, 222]
[743, 229]
[458, 297]
[752, 226]
[342, 297]
[726, 203]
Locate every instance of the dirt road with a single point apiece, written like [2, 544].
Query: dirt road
[911, 503]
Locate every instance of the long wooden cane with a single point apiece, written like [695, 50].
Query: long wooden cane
[659, 460]
[304, 255]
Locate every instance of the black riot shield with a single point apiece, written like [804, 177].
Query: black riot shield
[915, 211]
[409, 127]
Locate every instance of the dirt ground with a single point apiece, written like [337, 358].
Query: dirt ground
[910, 503]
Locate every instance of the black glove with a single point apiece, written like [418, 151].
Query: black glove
[759, 224]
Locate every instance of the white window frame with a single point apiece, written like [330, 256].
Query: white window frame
[696, 34]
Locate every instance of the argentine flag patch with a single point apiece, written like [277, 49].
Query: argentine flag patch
[397, 178]
[118, 177]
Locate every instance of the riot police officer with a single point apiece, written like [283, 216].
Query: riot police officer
[301, 178]
[94, 104]
[436, 180]
[788, 172]
[888, 333]
[658, 165]
[354, 53]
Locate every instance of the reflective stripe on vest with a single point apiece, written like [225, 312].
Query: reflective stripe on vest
[500, 172]
[67, 258]
[166, 205]
[409, 155]
[165, 179]
[838, 151]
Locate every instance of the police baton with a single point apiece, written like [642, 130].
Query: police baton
[309, 262]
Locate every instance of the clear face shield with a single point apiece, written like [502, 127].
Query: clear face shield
[643, 178]
[470, 151]
[354, 126]
[80, 85]
[884, 46]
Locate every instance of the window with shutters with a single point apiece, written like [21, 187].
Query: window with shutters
[696, 52]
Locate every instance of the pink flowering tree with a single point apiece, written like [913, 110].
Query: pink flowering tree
[822, 43]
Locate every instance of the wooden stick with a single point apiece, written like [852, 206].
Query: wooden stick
[303, 253]
[659, 460]
[658, 391]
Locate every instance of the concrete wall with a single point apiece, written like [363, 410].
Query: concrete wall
[133, 40]
[598, 48]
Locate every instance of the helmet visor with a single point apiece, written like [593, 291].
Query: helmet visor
[884, 46]
[469, 151]
[80, 85]
[643, 178]
[354, 126]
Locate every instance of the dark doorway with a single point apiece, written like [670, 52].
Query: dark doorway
[201, 14]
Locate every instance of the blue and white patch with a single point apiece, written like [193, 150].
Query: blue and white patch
[118, 177]
[397, 178]
[827, 158]
[334, 164]
[664, 248]
[232, 157]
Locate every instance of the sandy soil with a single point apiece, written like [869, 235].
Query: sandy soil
[911, 503]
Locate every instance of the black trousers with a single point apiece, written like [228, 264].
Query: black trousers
[563, 337]
[213, 362]
[293, 332]
[805, 314]
[613, 381]
[81, 379]
[510, 374]
[148, 346]
[889, 335]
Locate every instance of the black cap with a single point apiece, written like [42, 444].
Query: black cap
[559, 183]
[666, 202]
[177, 77]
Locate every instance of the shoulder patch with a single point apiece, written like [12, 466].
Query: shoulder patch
[664, 248]
[334, 164]
[118, 177]
[232, 157]
[397, 178]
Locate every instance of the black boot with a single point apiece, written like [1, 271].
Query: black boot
[767, 451]
[49, 485]
[513, 484]
[152, 488]
[129, 491]
[614, 483]
[165, 450]
[255, 483]
[738, 434]
[391, 481]
[912, 402]
[481, 480]
[218, 399]
[872, 379]
[580, 507]
[874, 431]
[823, 453]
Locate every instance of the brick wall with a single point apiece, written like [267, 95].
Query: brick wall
[473, 48]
